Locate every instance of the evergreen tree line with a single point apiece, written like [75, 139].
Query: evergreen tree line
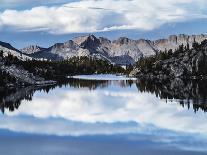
[146, 63]
[5, 78]
[53, 70]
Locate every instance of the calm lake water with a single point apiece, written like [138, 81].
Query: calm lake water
[105, 117]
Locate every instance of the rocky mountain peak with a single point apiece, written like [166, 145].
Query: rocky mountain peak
[90, 45]
[62, 47]
[122, 40]
[32, 49]
[88, 40]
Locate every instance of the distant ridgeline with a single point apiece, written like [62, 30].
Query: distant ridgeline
[184, 62]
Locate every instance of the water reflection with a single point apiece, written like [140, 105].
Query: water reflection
[135, 109]
[188, 94]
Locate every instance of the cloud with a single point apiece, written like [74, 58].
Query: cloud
[107, 111]
[103, 15]
[111, 106]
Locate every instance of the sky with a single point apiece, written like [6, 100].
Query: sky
[45, 22]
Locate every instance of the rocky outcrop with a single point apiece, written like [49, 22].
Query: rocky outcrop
[23, 77]
[188, 64]
[174, 41]
[61, 51]
[32, 49]
[123, 51]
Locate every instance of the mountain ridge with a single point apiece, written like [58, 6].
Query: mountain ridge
[122, 51]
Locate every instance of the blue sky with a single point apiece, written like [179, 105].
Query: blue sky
[25, 22]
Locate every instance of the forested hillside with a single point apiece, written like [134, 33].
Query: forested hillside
[184, 62]
[16, 71]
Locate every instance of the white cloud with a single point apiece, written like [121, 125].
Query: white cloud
[103, 15]
[108, 106]
[108, 111]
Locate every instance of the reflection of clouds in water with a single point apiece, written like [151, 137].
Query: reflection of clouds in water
[130, 131]
[108, 106]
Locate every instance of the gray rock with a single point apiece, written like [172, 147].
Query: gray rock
[23, 76]
[32, 49]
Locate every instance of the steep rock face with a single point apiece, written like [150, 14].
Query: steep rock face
[146, 47]
[32, 49]
[165, 44]
[173, 42]
[125, 46]
[121, 51]
[61, 51]
[68, 50]
[88, 42]
[92, 44]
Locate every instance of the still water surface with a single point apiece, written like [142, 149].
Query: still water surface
[105, 117]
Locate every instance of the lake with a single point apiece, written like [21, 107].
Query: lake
[105, 116]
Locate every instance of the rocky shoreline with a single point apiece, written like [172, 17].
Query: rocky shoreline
[22, 77]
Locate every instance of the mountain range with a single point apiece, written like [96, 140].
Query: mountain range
[122, 51]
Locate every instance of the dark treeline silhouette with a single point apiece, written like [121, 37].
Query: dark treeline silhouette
[5, 78]
[90, 84]
[11, 98]
[57, 70]
[186, 92]
[189, 94]
[73, 66]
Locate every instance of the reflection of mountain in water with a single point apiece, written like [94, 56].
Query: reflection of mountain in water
[11, 98]
[90, 84]
[188, 93]
[94, 84]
